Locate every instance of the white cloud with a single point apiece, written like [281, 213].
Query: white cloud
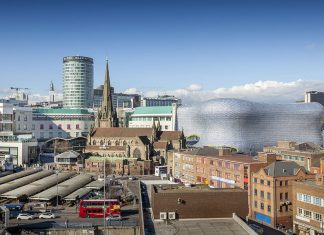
[261, 91]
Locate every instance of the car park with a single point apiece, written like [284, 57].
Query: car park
[25, 216]
[47, 215]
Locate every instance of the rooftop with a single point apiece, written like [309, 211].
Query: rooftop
[60, 111]
[283, 168]
[201, 188]
[153, 110]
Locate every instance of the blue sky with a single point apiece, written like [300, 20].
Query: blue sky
[163, 45]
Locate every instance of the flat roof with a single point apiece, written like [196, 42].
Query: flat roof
[157, 182]
[226, 226]
[311, 183]
[77, 194]
[60, 111]
[38, 186]
[64, 189]
[151, 110]
[24, 181]
[18, 175]
[193, 189]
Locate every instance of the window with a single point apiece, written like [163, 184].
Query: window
[261, 181]
[41, 126]
[76, 134]
[280, 183]
[300, 211]
[68, 126]
[281, 196]
[236, 167]
[255, 180]
[255, 204]
[50, 126]
[228, 165]
[33, 126]
[59, 126]
[220, 163]
[307, 214]
[307, 198]
[317, 216]
[299, 196]
[77, 126]
[166, 127]
[317, 201]
[262, 194]
[286, 183]
[255, 192]
[268, 195]
[262, 206]
[269, 208]
[286, 195]
[268, 182]
[18, 118]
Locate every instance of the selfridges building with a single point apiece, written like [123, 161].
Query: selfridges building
[249, 126]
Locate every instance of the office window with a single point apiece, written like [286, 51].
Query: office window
[262, 194]
[261, 181]
[269, 208]
[268, 195]
[262, 206]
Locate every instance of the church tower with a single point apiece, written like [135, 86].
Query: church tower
[51, 93]
[106, 116]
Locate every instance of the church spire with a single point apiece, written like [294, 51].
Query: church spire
[106, 116]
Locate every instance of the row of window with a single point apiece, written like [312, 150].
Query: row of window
[262, 206]
[59, 134]
[262, 194]
[268, 182]
[309, 214]
[59, 126]
[150, 118]
[293, 158]
[310, 199]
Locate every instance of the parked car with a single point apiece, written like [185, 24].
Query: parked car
[114, 217]
[47, 215]
[25, 216]
[256, 228]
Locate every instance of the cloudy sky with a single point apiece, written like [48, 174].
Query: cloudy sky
[270, 51]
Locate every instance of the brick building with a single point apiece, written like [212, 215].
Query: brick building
[198, 202]
[271, 193]
[308, 206]
[307, 155]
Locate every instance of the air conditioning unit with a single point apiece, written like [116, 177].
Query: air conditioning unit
[163, 215]
[172, 215]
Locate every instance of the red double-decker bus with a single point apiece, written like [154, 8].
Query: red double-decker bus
[95, 208]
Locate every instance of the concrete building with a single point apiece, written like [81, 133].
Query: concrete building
[165, 116]
[165, 100]
[307, 154]
[61, 122]
[15, 134]
[314, 96]
[308, 206]
[272, 195]
[77, 82]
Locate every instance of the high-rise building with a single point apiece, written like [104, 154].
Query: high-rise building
[164, 100]
[51, 93]
[77, 82]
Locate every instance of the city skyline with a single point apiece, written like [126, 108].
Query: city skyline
[210, 49]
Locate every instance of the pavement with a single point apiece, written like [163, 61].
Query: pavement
[200, 227]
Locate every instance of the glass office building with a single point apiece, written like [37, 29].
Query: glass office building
[77, 82]
[249, 126]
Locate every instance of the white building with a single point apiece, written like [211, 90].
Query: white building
[64, 123]
[164, 100]
[144, 117]
[15, 134]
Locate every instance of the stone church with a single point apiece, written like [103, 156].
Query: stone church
[130, 151]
